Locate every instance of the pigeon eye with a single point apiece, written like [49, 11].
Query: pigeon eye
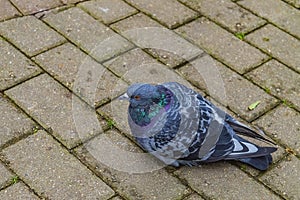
[137, 97]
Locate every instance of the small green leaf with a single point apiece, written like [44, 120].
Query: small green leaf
[253, 105]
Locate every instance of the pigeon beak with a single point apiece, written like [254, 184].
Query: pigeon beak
[124, 97]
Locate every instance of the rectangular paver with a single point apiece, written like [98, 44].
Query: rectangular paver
[283, 177]
[56, 109]
[108, 11]
[18, 191]
[126, 167]
[13, 122]
[279, 80]
[166, 12]
[5, 176]
[52, 172]
[224, 181]
[295, 3]
[148, 34]
[287, 17]
[88, 33]
[27, 7]
[228, 87]
[14, 66]
[283, 124]
[278, 44]
[30, 34]
[80, 73]
[227, 13]
[7, 10]
[234, 52]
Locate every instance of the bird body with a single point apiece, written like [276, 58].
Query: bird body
[180, 127]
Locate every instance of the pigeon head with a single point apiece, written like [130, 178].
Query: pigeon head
[146, 101]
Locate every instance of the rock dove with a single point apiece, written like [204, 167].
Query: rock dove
[180, 127]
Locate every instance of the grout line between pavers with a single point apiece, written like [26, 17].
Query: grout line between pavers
[271, 57]
[10, 183]
[268, 21]
[12, 3]
[160, 22]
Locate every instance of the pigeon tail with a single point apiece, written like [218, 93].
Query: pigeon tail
[261, 163]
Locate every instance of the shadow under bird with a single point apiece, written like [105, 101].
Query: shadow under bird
[180, 127]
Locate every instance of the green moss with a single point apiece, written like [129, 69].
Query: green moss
[241, 36]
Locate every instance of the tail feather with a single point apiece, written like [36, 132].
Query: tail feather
[261, 163]
[249, 153]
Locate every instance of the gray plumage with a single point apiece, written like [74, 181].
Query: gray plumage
[180, 127]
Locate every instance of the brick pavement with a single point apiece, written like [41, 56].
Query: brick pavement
[63, 62]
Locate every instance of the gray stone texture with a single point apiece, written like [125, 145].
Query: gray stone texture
[227, 13]
[18, 191]
[285, 178]
[80, 73]
[26, 7]
[102, 43]
[7, 10]
[13, 122]
[52, 171]
[227, 87]
[234, 52]
[283, 124]
[30, 34]
[295, 3]
[224, 181]
[14, 66]
[278, 44]
[56, 109]
[129, 176]
[5, 176]
[166, 12]
[286, 16]
[141, 30]
[280, 81]
[108, 11]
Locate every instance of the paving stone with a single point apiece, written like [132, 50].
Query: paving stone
[14, 124]
[7, 10]
[89, 34]
[283, 125]
[52, 172]
[30, 34]
[166, 12]
[81, 73]
[286, 16]
[239, 55]
[137, 66]
[227, 87]
[71, 1]
[278, 44]
[227, 13]
[129, 171]
[18, 191]
[278, 80]
[117, 198]
[285, 178]
[193, 197]
[295, 3]
[5, 177]
[108, 11]
[14, 66]
[27, 7]
[54, 107]
[209, 180]
[148, 34]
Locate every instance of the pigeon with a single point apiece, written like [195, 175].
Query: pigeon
[180, 127]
